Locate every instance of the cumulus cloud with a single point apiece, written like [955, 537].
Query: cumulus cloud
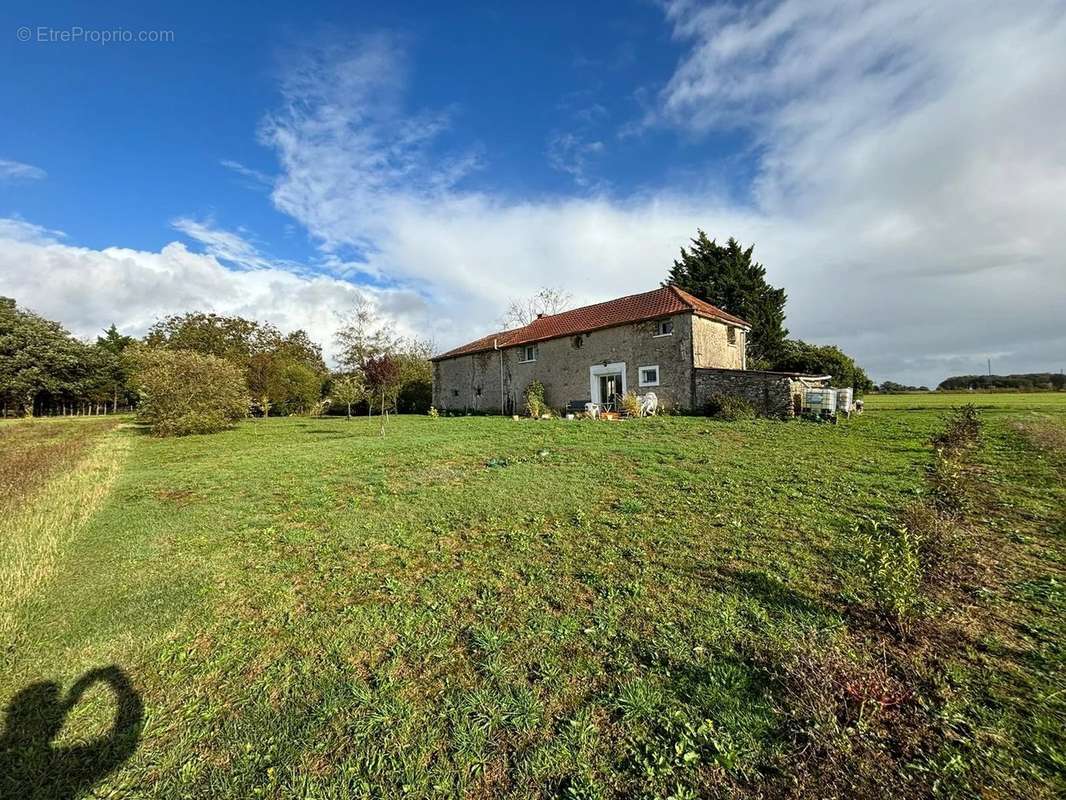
[16, 170]
[89, 289]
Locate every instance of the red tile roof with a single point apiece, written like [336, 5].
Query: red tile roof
[664, 302]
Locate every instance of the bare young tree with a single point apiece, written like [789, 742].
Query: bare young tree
[365, 335]
[549, 300]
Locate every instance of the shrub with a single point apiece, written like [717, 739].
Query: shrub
[963, 429]
[184, 392]
[729, 407]
[890, 562]
[534, 395]
[630, 404]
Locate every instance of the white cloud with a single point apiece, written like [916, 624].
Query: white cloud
[347, 149]
[16, 170]
[255, 179]
[909, 192]
[89, 289]
[18, 230]
[572, 153]
[224, 245]
[919, 146]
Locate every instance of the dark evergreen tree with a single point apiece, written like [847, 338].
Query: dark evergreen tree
[728, 277]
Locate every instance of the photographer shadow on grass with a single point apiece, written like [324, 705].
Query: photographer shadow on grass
[32, 767]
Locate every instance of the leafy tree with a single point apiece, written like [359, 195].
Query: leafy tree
[114, 366]
[39, 359]
[349, 389]
[547, 301]
[294, 388]
[233, 338]
[415, 392]
[728, 277]
[799, 356]
[185, 392]
[268, 358]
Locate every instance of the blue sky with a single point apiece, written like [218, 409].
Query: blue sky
[117, 122]
[438, 159]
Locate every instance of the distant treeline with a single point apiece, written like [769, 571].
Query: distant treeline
[1025, 382]
[891, 387]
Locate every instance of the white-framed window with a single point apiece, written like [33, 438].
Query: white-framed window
[529, 353]
[664, 327]
[648, 376]
[731, 334]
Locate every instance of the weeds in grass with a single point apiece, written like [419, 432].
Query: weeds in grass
[961, 431]
[842, 710]
[889, 558]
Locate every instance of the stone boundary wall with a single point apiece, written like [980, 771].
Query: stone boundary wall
[770, 394]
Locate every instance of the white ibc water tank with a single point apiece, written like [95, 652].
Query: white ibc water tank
[845, 400]
[820, 401]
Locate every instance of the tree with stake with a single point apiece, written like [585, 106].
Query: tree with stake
[349, 390]
[383, 380]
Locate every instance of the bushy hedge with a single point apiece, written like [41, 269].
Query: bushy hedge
[184, 392]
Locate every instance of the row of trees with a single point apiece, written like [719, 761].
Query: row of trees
[43, 369]
[730, 278]
[193, 372]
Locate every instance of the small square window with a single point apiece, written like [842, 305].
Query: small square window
[665, 328]
[731, 334]
[455, 392]
[648, 376]
[529, 353]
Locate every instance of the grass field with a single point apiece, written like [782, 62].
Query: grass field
[478, 607]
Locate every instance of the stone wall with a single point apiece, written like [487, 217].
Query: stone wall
[770, 394]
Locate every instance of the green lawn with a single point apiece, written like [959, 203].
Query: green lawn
[479, 607]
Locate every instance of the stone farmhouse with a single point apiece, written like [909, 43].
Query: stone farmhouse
[664, 341]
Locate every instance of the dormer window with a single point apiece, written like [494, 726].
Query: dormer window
[664, 327]
[529, 353]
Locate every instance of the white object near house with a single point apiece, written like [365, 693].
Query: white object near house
[592, 409]
[820, 401]
[649, 404]
[844, 400]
